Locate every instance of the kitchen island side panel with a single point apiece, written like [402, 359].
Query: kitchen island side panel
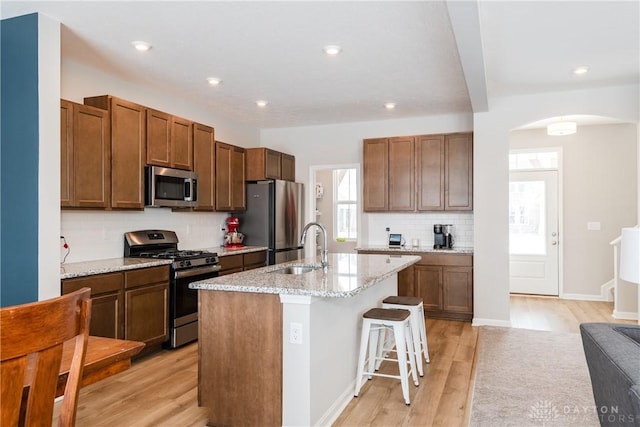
[240, 358]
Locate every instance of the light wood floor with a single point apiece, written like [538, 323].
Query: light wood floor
[161, 390]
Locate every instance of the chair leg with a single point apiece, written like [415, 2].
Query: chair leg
[364, 339]
[415, 335]
[401, 350]
[382, 347]
[374, 335]
[412, 355]
[423, 336]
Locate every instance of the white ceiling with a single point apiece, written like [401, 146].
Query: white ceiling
[430, 57]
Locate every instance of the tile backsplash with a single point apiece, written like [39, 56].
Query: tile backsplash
[417, 226]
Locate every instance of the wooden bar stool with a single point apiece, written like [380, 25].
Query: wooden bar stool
[374, 322]
[417, 322]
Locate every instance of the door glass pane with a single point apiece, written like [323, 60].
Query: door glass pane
[527, 228]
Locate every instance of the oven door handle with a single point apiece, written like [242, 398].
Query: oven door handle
[197, 271]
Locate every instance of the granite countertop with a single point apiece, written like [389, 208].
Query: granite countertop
[112, 265]
[101, 266]
[419, 249]
[347, 275]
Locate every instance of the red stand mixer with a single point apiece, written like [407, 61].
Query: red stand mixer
[233, 238]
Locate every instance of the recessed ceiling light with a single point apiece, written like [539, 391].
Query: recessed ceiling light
[261, 103]
[141, 46]
[581, 70]
[390, 105]
[214, 81]
[332, 49]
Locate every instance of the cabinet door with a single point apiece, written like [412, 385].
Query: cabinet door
[91, 157]
[428, 286]
[158, 138]
[238, 187]
[128, 154]
[288, 167]
[406, 279]
[204, 165]
[146, 317]
[181, 144]
[223, 176]
[458, 289]
[402, 174]
[66, 153]
[459, 172]
[376, 175]
[273, 165]
[253, 260]
[430, 172]
[106, 316]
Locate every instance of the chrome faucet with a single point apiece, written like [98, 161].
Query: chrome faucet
[325, 247]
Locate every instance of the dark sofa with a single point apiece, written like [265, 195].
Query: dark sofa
[613, 357]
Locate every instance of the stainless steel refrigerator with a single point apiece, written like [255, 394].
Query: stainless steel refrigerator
[274, 218]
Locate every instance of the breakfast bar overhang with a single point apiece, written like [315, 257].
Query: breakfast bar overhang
[281, 349]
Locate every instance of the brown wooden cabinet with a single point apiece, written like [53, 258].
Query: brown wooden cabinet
[169, 140]
[131, 305]
[85, 156]
[230, 264]
[264, 163]
[418, 173]
[204, 165]
[230, 177]
[128, 150]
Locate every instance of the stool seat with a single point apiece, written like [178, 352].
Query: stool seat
[402, 300]
[392, 314]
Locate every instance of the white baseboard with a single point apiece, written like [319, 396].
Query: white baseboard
[625, 315]
[334, 411]
[607, 290]
[490, 322]
[584, 297]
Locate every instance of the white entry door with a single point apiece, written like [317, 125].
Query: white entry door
[533, 232]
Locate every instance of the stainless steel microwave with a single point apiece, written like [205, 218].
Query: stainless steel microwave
[170, 187]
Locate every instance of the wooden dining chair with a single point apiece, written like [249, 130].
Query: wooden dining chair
[31, 341]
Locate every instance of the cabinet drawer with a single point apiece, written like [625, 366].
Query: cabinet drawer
[447, 260]
[255, 259]
[146, 276]
[231, 261]
[99, 284]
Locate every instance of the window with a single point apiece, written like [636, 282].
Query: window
[345, 198]
[530, 160]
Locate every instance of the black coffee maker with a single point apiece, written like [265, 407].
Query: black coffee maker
[442, 237]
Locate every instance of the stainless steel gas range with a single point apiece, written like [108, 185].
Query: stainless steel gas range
[187, 266]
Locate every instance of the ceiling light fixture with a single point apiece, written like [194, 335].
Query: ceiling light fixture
[214, 81]
[261, 103]
[332, 49]
[581, 70]
[390, 105]
[141, 46]
[561, 128]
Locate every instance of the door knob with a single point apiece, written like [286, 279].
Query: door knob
[554, 243]
[554, 234]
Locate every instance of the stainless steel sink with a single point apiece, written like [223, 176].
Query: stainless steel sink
[296, 269]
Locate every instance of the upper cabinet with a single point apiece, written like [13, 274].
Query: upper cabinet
[230, 177]
[204, 157]
[264, 163]
[128, 150]
[85, 158]
[169, 140]
[418, 173]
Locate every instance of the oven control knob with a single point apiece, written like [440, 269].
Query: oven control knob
[187, 263]
[210, 260]
[181, 264]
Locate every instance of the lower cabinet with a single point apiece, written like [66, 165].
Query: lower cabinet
[230, 264]
[131, 305]
[443, 281]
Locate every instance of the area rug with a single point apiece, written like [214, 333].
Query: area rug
[531, 378]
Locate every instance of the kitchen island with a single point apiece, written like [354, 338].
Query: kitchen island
[281, 349]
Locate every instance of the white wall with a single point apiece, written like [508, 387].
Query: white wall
[99, 234]
[599, 185]
[491, 148]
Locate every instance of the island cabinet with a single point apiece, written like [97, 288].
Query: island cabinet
[204, 157]
[264, 163]
[130, 305]
[128, 150]
[230, 264]
[169, 140]
[85, 156]
[230, 177]
[418, 173]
